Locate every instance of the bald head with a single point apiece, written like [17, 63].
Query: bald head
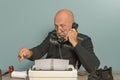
[66, 14]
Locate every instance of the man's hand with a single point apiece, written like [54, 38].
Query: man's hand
[24, 54]
[72, 37]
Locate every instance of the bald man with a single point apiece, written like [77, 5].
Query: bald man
[65, 43]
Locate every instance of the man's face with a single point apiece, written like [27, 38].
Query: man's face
[62, 25]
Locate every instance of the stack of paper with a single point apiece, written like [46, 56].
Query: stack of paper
[51, 64]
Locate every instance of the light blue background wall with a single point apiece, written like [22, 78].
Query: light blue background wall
[25, 23]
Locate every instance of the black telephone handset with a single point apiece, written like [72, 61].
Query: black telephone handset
[75, 25]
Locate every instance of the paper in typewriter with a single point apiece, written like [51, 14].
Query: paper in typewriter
[51, 64]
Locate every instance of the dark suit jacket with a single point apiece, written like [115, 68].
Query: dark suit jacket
[55, 48]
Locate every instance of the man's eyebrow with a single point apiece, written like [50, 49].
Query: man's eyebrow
[62, 24]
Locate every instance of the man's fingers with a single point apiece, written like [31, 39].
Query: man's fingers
[22, 50]
[20, 58]
[22, 54]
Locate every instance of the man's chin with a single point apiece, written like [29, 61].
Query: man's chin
[64, 38]
[61, 37]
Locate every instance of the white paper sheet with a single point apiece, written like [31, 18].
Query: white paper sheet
[19, 74]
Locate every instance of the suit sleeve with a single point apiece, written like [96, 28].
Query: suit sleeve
[85, 53]
[40, 50]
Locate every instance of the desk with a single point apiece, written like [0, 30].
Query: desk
[116, 75]
[7, 77]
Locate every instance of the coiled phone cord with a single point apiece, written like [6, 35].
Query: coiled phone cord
[60, 51]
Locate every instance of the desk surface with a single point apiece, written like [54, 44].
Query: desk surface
[116, 75]
[7, 77]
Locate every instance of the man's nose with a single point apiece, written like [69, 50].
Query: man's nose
[59, 30]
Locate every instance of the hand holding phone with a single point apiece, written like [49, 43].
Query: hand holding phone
[72, 37]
